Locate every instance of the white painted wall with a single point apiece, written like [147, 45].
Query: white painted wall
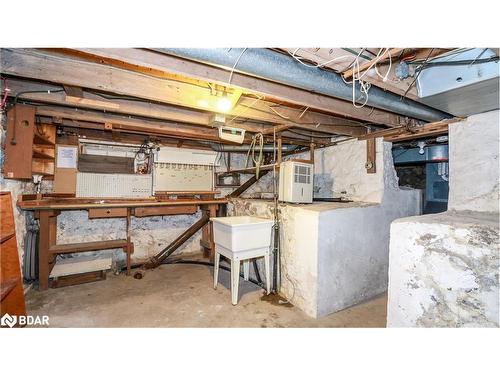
[444, 268]
[336, 254]
[444, 271]
[353, 254]
[474, 163]
[345, 164]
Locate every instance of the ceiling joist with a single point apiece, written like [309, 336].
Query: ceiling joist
[194, 70]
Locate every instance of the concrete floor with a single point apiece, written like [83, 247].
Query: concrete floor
[181, 295]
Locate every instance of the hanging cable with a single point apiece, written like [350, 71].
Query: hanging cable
[251, 150]
[234, 66]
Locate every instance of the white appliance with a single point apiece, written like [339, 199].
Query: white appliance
[296, 182]
[107, 185]
[180, 169]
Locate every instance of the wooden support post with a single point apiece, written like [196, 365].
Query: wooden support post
[311, 151]
[279, 151]
[48, 234]
[129, 244]
[370, 156]
[212, 209]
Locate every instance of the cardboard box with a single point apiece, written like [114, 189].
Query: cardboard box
[66, 169]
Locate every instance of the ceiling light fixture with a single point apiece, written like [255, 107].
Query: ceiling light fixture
[224, 104]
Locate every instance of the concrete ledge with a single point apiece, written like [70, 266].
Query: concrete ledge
[443, 271]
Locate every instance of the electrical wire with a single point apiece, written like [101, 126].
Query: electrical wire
[234, 66]
[13, 140]
[309, 135]
[416, 75]
[6, 90]
[257, 161]
[456, 63]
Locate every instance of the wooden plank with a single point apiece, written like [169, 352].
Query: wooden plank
[36, 65]
[87, 246]
[45, 241]
[80, 278]
[161, 211]
[247, 107]
[11, 285]
[7, 227]
[79, 203]
[99, 213]
[19, 142]
[94, 101]
[45, 134]
[42, 166]
[43, 152]
[390, 52]
[240, 190]
[371, 155]
[403, 133]
[196, 70]
[125, 123]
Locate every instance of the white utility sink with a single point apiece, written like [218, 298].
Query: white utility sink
[238, 233]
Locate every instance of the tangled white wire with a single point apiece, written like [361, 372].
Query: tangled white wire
[364, 86]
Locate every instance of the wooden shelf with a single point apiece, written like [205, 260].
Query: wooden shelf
[40, 140]
[37, 154]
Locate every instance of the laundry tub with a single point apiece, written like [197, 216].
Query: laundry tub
[238, 233]
[240, 239]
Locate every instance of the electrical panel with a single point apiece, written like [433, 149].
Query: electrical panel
[296, 182]
[106, 185]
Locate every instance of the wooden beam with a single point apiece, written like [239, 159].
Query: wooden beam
[36, 65]
[400, 87]
[192, 69]
[389, 52]
[244, 187]
[371, 153]
[301, 118]
[130, 107]
[126, 123]
[93, 131]
[51, 94]
[403, 134]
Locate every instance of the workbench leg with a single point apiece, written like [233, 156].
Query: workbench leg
[213, 213]
[48, 234]
[129, 244]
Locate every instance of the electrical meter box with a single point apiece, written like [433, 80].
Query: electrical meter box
[296, 181]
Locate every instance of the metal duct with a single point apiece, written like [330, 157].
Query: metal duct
[266, 148]
[278, 67]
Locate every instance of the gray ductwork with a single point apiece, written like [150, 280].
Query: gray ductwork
[245, 148]
[278, 67]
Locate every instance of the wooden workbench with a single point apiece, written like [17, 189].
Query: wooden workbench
[48, 207]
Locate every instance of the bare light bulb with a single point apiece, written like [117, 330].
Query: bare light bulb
[224, 104]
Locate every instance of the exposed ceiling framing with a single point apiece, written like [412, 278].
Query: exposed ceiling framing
[141, 91]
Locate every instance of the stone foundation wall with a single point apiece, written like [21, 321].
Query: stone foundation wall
[443, 269]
